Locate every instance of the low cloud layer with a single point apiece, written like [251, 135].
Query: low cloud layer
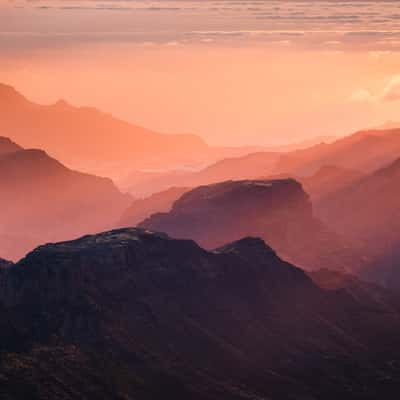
[352, 25]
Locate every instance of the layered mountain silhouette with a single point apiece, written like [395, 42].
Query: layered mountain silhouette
[362, 291]
[83, 136]
[279, 211]
[328, 180]
[8, 146]
[368, 210]
[42, 201]
[132, 314]
[157, 202]
[363, 151]
[324, 167]
[85, 133]
[249, 166]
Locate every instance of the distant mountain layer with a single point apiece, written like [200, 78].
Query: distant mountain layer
[361, 291]
[133, 315]
[71, 132]
[7, 146]
[43, 201]
[363, 151]
[85, 136]
[368, 210]
[248, 166]
[279, 211]
[144, 208]
[327, 180]
[322, 168]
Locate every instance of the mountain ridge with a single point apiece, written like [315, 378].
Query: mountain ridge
[277, 210]
[85, 132]
[62, 202]
[138, 314]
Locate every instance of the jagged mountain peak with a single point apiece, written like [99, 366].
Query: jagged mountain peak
[248, 246]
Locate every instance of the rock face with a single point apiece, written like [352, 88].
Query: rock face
[368, 210]
[279, 211]
[131, 314]
[42, 201]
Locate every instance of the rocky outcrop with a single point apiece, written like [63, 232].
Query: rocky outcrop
[279, 211]
[132, 314]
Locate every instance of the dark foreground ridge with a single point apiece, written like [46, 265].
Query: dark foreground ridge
[5, 263]
[130, 314]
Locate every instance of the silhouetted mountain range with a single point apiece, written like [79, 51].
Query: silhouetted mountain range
[279, 211]
[131, 314]
[83, 136]
[327, 180]
[363, 151]
[368, 210]
[157, 202]
[325, 166]
[42, 201]
[7, 146]
[361, 291]
[249, 166]
[71, 132]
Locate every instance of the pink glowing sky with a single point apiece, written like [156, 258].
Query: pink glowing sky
[234, 72]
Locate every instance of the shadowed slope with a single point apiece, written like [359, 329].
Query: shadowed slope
[131, 314]
[4, 263]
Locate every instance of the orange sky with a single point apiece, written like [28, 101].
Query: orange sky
[230, 90]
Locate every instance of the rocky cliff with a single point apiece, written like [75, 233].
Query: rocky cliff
[131, 314]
